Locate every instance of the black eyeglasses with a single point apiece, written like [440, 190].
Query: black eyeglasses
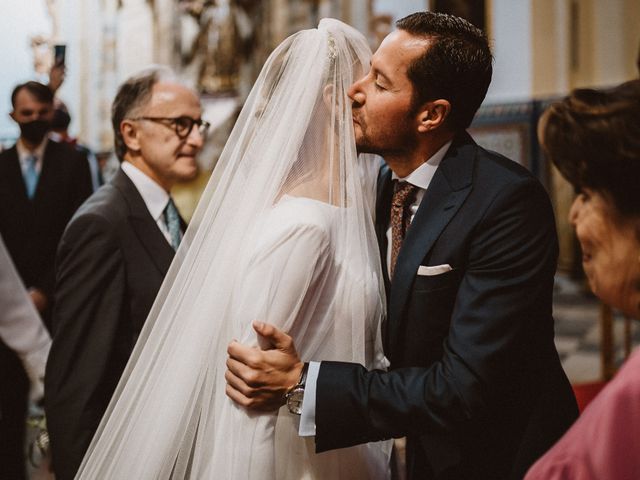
[181, 125]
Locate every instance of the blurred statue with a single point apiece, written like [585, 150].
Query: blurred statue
[42, 45]
[223, 38]
[42, 54]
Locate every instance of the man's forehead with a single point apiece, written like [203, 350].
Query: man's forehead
[401, 47]
[24, 98]
[165, 93]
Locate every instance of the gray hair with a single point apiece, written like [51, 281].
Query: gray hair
[133, 95]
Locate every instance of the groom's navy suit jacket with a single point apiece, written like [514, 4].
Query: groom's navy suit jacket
[475, 383]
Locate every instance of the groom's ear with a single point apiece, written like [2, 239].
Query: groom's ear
[433, 115]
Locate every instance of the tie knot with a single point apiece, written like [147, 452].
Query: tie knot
[170, 208]
[403, 193]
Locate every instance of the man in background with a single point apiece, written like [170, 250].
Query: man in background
[42, 183]
[114, 255]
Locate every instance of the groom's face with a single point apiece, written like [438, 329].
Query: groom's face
[383, 117]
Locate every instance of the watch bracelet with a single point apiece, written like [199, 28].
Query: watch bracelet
[301, 381]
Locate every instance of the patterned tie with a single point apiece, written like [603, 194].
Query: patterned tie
[31, 176]
[403, 196]
[172, 221]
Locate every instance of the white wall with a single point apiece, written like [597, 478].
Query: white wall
[510, 35]
[135, 37]
[612, 62]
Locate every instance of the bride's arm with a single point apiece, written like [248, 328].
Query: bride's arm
[283, 278]
[283, 283]
[281, 288]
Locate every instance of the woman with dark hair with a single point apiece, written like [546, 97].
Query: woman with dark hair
[593, 137]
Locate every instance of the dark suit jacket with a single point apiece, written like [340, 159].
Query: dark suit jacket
[32, 228]
[475, 383]
[111, 262]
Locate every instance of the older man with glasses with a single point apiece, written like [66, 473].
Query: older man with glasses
[114, 255]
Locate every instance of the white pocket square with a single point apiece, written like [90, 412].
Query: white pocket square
[436, 270]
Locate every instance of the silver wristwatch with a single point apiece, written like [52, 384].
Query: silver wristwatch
[295, 395]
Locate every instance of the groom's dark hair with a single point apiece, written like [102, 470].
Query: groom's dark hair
[455, 67]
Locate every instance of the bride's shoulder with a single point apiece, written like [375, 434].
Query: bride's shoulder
[293, 222]
[301, 213]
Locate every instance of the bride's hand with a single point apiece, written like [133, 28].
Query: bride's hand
[259, 378]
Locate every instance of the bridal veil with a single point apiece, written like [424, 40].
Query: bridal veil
[284, 234]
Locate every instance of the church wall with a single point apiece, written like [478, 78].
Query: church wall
[616, 28]
[510, 32]
[135, 48]
[550, 47]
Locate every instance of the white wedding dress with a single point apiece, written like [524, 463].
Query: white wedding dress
[283, 234]
[296, 244]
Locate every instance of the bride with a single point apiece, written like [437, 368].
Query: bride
[284, 234]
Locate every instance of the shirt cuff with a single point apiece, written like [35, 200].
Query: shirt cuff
[308, 416]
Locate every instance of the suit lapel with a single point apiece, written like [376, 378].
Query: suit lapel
[447, 192]
[48, 174]
[383, 210]
[14, 179]
[144, 225]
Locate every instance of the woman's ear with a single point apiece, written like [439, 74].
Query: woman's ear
[433, 115]
[328, 96]
[130, 131]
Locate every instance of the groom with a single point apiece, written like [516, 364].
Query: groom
[467, 238]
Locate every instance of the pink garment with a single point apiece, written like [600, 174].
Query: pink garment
[604, 443]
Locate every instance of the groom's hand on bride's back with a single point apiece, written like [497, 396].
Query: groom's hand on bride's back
[258, 378]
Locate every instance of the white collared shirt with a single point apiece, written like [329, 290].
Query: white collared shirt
[421, 177]
[24, 153]
[154, 196]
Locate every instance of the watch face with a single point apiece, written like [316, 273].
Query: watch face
[294, 400]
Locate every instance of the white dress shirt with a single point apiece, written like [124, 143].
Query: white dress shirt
[154, 196]
[421, 177]
[24, 153]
